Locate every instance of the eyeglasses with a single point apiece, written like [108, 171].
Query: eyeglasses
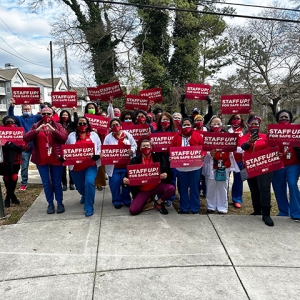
[140, 116]
[177, 118]
[26, 109]
[128, 118]
[9, 122]
[82, 124]
[46, 114]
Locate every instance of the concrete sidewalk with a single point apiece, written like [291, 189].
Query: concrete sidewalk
[113, 255]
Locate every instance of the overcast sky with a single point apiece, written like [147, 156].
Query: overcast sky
[25, 39]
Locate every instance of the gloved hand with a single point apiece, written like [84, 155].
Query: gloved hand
[182, 97]
[95, 157]
[62, 159]
[208, 99]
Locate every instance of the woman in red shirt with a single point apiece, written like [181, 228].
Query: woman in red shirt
[260, 186]
[47, 137]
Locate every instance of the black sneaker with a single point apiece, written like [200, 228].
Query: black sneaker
[50, 209]
[72, 187]
[161, 208]
[64, 188]
[60, 209]
[15, 201]
[7, 202]
[296, 219]
[118, 206]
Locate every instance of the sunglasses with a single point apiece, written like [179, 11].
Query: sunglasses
[82, 124]
[128, 119]
[46, 114]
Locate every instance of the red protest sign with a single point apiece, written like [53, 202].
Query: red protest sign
[115, 154]
[186, 157]
[195, 91]
[220, 141]
[236, 104]
[264, 161]
[26, 95]
[161, 141]
[77, 154]
[111, 89]
[98, 122]
[64, 99]
[284, 134]
[154, 95]
[12, 134]
[139, 132]
[144, 174]
[133, 102]
[94, 93]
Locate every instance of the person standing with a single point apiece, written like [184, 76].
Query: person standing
[260, 186]
[288, 176]
[69, 126]
[26, 120]
[9, 168]
[237, 125]
[47, 137]
[188, 177]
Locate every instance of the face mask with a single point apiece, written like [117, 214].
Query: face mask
[46, 119]
[283, 122]
[65, 119]
[26, 114]
[116, 129]
[216, 128]
[199, 124]
[10, 125]
[141, 120]
[236, 123]
[91, 111]
[177, 122]
[117, 114]
[82, 128]
[165, 124]
[187, 131]
[128, 121]
[146, 151]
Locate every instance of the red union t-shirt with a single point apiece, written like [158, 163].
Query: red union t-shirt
[150, 186]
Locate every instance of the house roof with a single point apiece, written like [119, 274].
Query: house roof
[33, 80]
[49, 81]
[8, 73]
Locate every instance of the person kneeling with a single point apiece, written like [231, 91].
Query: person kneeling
[143, 192]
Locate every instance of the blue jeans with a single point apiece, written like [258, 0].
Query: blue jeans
[24, 166]
[115, 184]
[188, 180]
[237, 186]
[51, 179]
[282, 178]
[84, 182]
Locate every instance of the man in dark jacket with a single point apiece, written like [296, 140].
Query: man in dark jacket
[143, 192]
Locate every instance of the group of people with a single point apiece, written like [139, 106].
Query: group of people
[45, 136]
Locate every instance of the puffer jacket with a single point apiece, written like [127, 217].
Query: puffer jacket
[59, 138]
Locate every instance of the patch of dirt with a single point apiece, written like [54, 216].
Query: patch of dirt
[26, 199]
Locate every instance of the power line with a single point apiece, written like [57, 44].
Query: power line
[18, 36]
[194, 11]
[24, 59]
[252, 5]
[37, 62]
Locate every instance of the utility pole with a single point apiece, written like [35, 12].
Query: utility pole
[66, 66]
[51, 61]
